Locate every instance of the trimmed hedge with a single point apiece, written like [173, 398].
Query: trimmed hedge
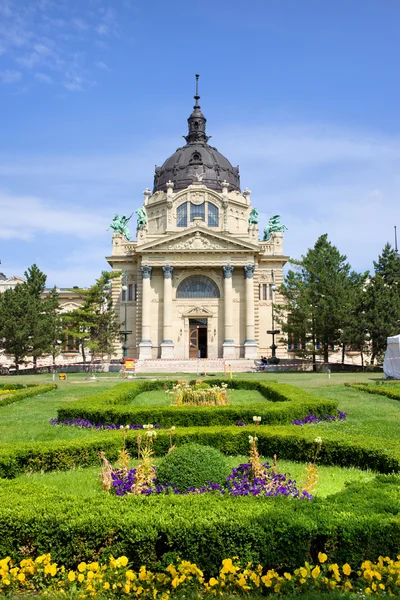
[359, 523]
[288, 442]
[27, 392]
[284, 404]
[388, 390]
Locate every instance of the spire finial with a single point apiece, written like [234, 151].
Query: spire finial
[197, 97]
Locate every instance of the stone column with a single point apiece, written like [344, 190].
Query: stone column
[167, 346]
[229, 350]
[250, 346]
[145, 344]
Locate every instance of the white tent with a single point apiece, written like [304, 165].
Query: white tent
[391, 364]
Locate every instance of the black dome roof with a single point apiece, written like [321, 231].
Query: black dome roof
[197, 160]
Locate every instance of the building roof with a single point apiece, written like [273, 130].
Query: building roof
[197, 160]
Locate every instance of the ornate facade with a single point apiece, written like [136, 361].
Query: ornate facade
[198, 282]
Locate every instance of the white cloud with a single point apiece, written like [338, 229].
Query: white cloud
[101, 65]
[55, 38]
[43, 77]
[28, 217]
[322, 179]
[10, 76]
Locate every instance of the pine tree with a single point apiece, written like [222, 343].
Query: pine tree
[317, 297]
[15, 324]
[95, 324]
[383, 301]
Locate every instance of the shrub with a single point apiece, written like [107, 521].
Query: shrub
[26, 392]
[389, 390]
[362, 522]
[193, 466]
[284, 403]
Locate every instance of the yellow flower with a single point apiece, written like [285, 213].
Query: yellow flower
[123, 561]
[303, 572]
[82, 567]
[277, 587]
[106, 586]
[213, 581]
[302, 580]
[130, 575]
[346, 569]
[81, 577]
[287, 576]
[315, 572]
[21, 577]
[175, 582]
[368, 591]
[71, 576]
[322, 557]
[139, 591]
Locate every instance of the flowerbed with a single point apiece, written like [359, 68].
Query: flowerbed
[86, 424]
[283, 404]
[309, 419]
[235, 577]
[293, 443]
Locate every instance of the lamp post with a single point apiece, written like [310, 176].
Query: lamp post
[125, 332]
[274, 359]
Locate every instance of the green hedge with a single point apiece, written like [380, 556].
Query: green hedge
[284, 404]
[26, 392]
[289, 442]
[382, 389]
[359, 523]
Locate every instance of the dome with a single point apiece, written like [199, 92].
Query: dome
[197, 160]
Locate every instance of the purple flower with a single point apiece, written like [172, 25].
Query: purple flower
[341, 416]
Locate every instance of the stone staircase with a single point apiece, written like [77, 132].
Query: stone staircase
[194, 365]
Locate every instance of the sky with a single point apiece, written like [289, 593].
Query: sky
[303, 96]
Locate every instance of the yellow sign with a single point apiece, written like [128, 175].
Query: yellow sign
[129, 364]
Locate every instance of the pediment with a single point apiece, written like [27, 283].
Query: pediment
[198, 311]
[198, 239]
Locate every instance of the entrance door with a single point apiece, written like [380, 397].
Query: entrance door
[197, 338]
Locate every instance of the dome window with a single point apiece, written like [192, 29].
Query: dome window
[197, 210]
[212, 215]
[181, 215]
[196, 157]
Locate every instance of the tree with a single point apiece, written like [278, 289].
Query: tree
[317, 297]
[42, 312]
[95, 324]
[383, 301]
[354, 334]
[15, 324]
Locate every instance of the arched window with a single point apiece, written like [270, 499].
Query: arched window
[197, 286]
[212, 215]
[181, 215]
[197, 210]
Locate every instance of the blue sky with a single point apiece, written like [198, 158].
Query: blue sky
[304, 96]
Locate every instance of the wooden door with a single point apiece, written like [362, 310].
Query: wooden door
[193, 342]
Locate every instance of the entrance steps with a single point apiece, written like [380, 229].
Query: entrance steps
[194, 365]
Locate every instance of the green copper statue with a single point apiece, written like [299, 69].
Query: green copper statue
[253, 218]
[274, 224]
[142, 219]
[120, 225]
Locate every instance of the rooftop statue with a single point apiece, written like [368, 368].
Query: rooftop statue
[274, 224]
[253, 218]
[120, 225]
[142, 219]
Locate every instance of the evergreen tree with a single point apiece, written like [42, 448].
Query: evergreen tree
[383, 301]
[95, 324]
[15, 324]
[317, 297]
